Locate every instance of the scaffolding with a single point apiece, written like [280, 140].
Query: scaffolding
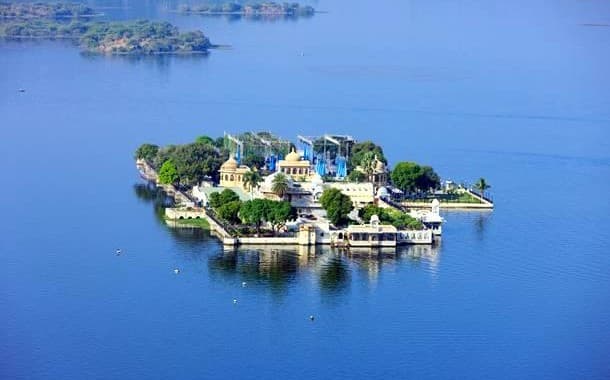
[263, 144]
[330, 153]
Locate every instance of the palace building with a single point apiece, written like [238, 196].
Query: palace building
[232, 174]
[294, 166]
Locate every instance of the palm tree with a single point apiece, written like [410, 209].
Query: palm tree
[280, 185]
[482, 185]
[367, 163]
[251, 179]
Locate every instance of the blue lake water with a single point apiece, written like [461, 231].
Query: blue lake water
[516, 92]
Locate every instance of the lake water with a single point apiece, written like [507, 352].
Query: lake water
[518, 93]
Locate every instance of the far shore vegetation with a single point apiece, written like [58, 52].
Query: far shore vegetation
[129, 37]
[251, 10]
[45, 10]
[73, 21]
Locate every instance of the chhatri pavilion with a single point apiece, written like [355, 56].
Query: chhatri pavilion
[294, 166]
[232, 174]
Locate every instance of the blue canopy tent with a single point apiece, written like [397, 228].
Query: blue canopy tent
[321, 166]
[271, 162]
[341, 163]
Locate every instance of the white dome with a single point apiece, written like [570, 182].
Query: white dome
[230, 164]
[293, 156]
[383, 191]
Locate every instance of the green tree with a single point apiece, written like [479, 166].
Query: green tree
[337, 205]
[278, 213]
[168, 173]
[196, 161]
[405, 175]
[251, 179]
[367, 163]
[254, 212]
[410, 177]
[219, 142]
[404, 221]
[360, 149]
[280, 185]
[367, 211]
[482, 185]
[147, 152]
[205, 140]
[220, 198]
[428, 179]
[253, 160]
[356, 176]
[229, 212]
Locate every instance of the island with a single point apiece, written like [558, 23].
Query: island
[260, 10]
[45, 10]
[257, 188]
[67, 21]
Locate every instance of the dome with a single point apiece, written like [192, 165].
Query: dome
[293, 156]
[230, 164]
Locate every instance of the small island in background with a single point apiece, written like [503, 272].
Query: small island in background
[263, 10]
[66, 21]
[46, 10]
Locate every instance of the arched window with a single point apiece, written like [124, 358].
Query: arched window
[232, 178]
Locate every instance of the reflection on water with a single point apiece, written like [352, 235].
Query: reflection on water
[234, 17]
[278, 267]
[480, 222]
[161, 62]
[150, 193]
[333, 272]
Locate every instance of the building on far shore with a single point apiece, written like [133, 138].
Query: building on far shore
[232, 174]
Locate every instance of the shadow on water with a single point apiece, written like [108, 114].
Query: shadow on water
[149, 193]
[264, 18]
[160, 62]
[334, 273]
[480, 223]
[274, 267]
[278, 268]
